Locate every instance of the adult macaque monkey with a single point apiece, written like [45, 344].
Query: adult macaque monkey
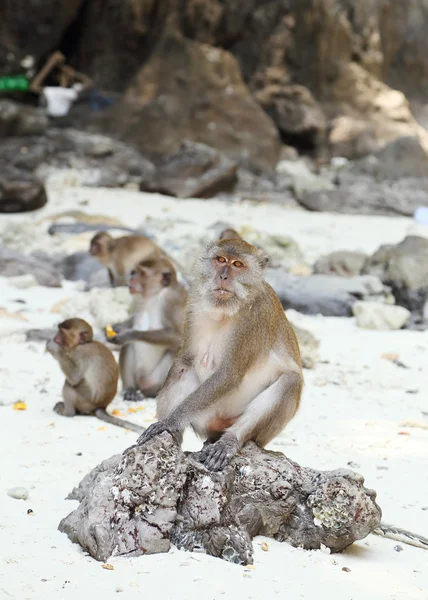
[120, 255]
[151, 338]
[238, 375]
[91, 373]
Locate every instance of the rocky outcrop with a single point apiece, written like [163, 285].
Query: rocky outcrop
[20, 192]
[154, 495]
[95, 160]
[195, 171]
[192, 91]
[404, 267]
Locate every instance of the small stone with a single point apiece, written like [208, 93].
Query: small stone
[19, 493]
[353, 465]
[30, 511]
[301, 270]
[374, 315]
[79, 454]
[392, 356]
[108, 567]
[398, 548]
[264, 547]
[346, 569]
[23, 282]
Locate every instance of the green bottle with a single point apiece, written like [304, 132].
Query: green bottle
[14, 83]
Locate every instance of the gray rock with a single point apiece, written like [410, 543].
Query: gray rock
[20, 192]
[328, 295]
[40, 335]
[403, 157]
[13, 263]
[154, 495]
[195, 171]
[95, 160]
[343, 263]
[19, 493]
[373, 315]
[20, 119]
[303, 180]
[404, 267]
[308, 345]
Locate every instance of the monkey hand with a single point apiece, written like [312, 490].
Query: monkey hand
[156, 429]
[52, 347]
[218, 455]
[120, 338]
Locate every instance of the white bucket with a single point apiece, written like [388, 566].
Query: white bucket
[59, 100]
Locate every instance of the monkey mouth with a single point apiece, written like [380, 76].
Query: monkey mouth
[222, 292]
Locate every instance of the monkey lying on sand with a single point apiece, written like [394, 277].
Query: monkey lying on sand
[91, 373]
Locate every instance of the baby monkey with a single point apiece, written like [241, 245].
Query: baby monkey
[91, 373]
[238, 375]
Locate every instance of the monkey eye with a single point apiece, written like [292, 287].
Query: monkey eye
[238, 263]
[221, 259]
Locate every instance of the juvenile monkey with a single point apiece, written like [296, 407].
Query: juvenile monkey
[91, 373]
[120, 255]
[238, 375]
[151, 338]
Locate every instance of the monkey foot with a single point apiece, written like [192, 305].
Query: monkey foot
[59, 408]
[217, 456]
[133, 395]
[156, 429]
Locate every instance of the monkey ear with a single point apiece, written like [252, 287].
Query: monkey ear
[166, 278]
[262, 258]
[84, 337]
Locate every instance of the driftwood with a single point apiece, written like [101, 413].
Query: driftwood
[155, 495]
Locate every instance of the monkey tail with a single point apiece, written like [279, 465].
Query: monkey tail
[401, 535]
[103, 415]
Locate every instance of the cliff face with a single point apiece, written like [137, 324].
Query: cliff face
[330, 77]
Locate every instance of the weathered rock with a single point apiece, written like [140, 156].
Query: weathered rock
[21, 192]
[303, 180]
[374, 315]
[195, 171]
[95, 160]
[154, 495]
[298, 116]
[328, 295]
[344, 263]
[308, 345]
[191, 91]
[283, 250]
[13, 263]
[81, 266]
[404, 267]
[366, 197]
[19, 119]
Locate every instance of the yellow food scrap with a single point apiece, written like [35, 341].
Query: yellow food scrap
[264, 546]
[101, 428]
[108, 567]
[19, 406]
[110, 332]
[117, 413]
[390, 356]
[134, 409]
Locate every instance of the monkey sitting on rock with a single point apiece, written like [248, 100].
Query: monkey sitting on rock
[91, 373]
[238, 375]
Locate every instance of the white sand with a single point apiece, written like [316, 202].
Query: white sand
[354, 407]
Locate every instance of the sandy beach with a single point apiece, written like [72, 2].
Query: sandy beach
[359, 411]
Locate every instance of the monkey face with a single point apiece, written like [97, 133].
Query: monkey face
[72, 333]
[101, 245]
[231, 272]
[150, 277]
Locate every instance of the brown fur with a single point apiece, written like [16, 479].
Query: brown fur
[239, 369]
[122, 254]
[150, 339]
[91, 372]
